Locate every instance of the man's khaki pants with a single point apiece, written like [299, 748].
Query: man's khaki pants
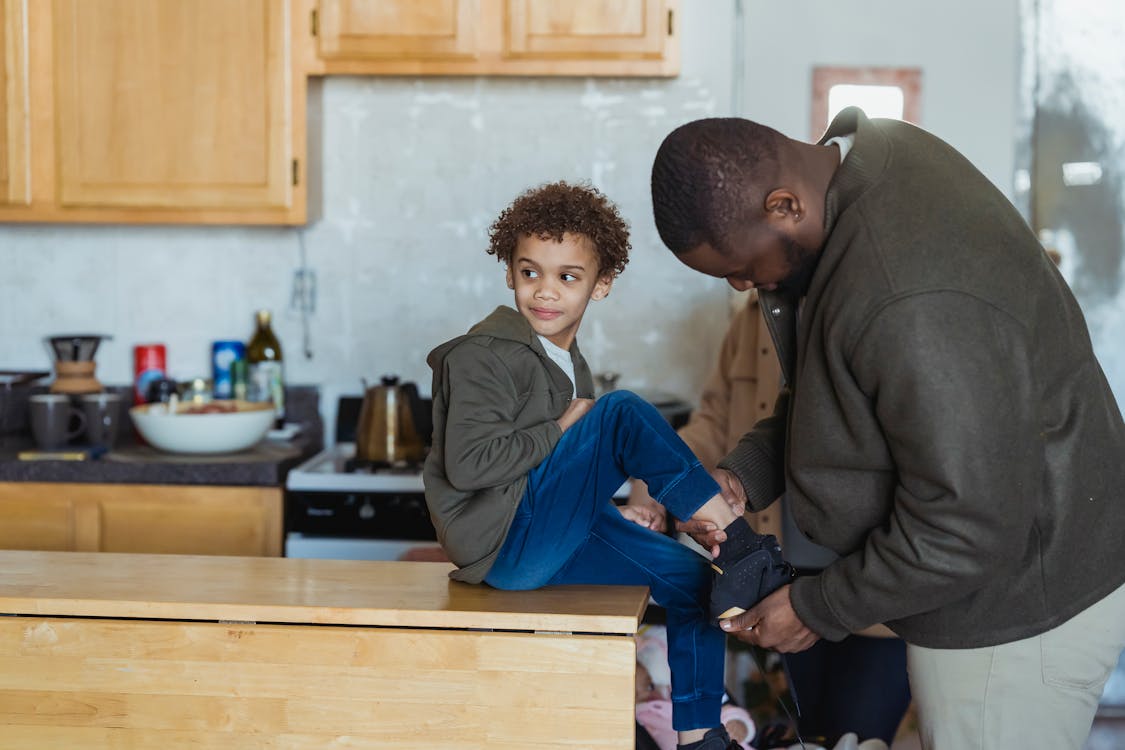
[1038, 693]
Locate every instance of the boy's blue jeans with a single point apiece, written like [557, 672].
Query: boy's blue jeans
[568, 530]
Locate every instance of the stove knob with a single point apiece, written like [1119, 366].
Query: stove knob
[367, 511]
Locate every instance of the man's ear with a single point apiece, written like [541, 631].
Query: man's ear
[601, 289]
[510, 279]
[783, 203]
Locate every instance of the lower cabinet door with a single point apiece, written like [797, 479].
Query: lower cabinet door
[190, 520]
[29, 521]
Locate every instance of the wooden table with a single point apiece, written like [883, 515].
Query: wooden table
[176, 652]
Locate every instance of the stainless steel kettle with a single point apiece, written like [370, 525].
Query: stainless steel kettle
[388, 429]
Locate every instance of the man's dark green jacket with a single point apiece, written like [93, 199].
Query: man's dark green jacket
[948, 430]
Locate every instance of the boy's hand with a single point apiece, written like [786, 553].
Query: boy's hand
[575, 411]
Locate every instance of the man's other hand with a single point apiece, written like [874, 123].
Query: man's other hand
[706, 534]
[772, 623]
[731, 489]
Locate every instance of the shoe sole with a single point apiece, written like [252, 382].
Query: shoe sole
[731, 613]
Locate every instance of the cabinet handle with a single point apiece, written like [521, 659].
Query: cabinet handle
[670, 12]
[296, 180]
[312, 21]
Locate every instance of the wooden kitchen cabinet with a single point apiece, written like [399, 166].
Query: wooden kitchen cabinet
[494, 37]
[35, 520]
[14, 112]
[176, 111]
[397, 29]
[183, 519]
[588, 29]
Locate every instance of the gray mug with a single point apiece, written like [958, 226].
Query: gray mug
[103, 416]
[54, 421]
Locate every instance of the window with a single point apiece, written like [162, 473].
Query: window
[879, 92]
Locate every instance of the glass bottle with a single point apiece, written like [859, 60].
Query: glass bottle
[265, 369]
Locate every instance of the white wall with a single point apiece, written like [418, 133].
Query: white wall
[968, 52]
[411, 172]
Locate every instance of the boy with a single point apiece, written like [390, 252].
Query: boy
[524, 465]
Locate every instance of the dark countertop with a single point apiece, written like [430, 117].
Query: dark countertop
[265, 465]
[130, 462]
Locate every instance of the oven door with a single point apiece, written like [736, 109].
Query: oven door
[359, 526]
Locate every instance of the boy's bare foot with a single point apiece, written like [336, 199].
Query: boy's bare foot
[642, 516]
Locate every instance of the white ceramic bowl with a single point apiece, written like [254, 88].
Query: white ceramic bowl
[217, 432]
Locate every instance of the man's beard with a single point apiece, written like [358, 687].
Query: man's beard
[802, 263]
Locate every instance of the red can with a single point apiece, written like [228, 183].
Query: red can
[149, 364]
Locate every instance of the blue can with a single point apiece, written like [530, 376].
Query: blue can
[223, 356]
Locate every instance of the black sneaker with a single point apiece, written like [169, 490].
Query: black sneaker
[739, 585]
[715, 739]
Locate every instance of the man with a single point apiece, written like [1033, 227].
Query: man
[945, 429]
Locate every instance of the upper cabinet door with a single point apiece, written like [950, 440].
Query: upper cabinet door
[172, 104]
[615, 29]
[491, 37]
[398, 29]
[15, 188]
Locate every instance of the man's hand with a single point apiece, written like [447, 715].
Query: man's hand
[639, 498]
[706, 534]
[731, 489]
[772, 623]
[574, 411]
[642, 516]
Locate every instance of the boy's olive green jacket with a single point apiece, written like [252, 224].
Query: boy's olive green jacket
[496, 398]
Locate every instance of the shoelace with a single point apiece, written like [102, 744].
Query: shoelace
[776, 697]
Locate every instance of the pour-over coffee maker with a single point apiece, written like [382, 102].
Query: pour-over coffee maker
[74, 363]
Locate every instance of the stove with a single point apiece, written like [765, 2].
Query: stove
[335, 509]
[335, 469]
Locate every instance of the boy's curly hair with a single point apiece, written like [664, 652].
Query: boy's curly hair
[551, 210]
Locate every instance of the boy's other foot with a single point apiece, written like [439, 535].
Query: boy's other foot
[742, 582]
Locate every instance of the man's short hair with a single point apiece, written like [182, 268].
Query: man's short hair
[707, 177]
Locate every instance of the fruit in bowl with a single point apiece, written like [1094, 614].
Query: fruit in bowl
[215, 427]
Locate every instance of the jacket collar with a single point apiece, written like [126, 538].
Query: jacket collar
[506, 323]
[865, 161]
[863, 164]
